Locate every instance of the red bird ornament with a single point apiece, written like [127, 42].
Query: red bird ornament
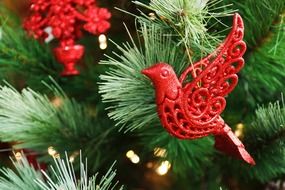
[190, 107]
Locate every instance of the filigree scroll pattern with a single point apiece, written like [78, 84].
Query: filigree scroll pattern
[196, 113]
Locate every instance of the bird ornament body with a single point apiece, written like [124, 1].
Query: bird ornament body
[190, 107]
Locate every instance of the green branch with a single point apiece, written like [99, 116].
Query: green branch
[190, 21]
[131, 97]
[38, 123]
[265, 140]
[268, 125]
[24, 179]
[258, 18]
[130, 93]
[264, 68]
[64, 178]
[20, 53]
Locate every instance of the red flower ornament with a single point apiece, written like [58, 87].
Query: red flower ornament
[67, 18]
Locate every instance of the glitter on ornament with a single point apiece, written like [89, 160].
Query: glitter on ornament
[191, 110]
[64, 20]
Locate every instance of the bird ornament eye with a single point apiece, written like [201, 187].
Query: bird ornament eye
[165, 73]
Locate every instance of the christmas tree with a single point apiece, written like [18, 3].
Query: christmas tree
[118, 126]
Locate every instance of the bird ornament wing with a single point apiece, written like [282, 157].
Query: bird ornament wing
[213, 77]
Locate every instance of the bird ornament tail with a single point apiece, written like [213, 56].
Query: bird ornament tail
[190, 107]
[229, 144]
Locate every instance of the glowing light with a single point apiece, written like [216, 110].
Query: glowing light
[239, 130]
[152, 16]
[18, 156]
[134, 158]
[103, 46]
[57, 155]
[149, 165]
[102, 41]
[71, 159]
[52, 151]
[57, 101]
[163, 168]
[160, 152]
[130, 154]
[73, 156]
[102, 38]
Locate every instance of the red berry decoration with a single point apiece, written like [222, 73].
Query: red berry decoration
[191, 110]
[66, 19]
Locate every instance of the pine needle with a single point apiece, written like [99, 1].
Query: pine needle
[39, 122]
[24, 179]
[63, 177]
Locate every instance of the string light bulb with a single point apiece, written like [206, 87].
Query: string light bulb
[73, 156]
[149, 165]
[163, 168]
[102, 41]
[18, 156]
[57, 101]
[152, 16]
[239, 130]
[134, 158]
[130, 154]
[52, 152]
[57, 155]
[159, 152]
